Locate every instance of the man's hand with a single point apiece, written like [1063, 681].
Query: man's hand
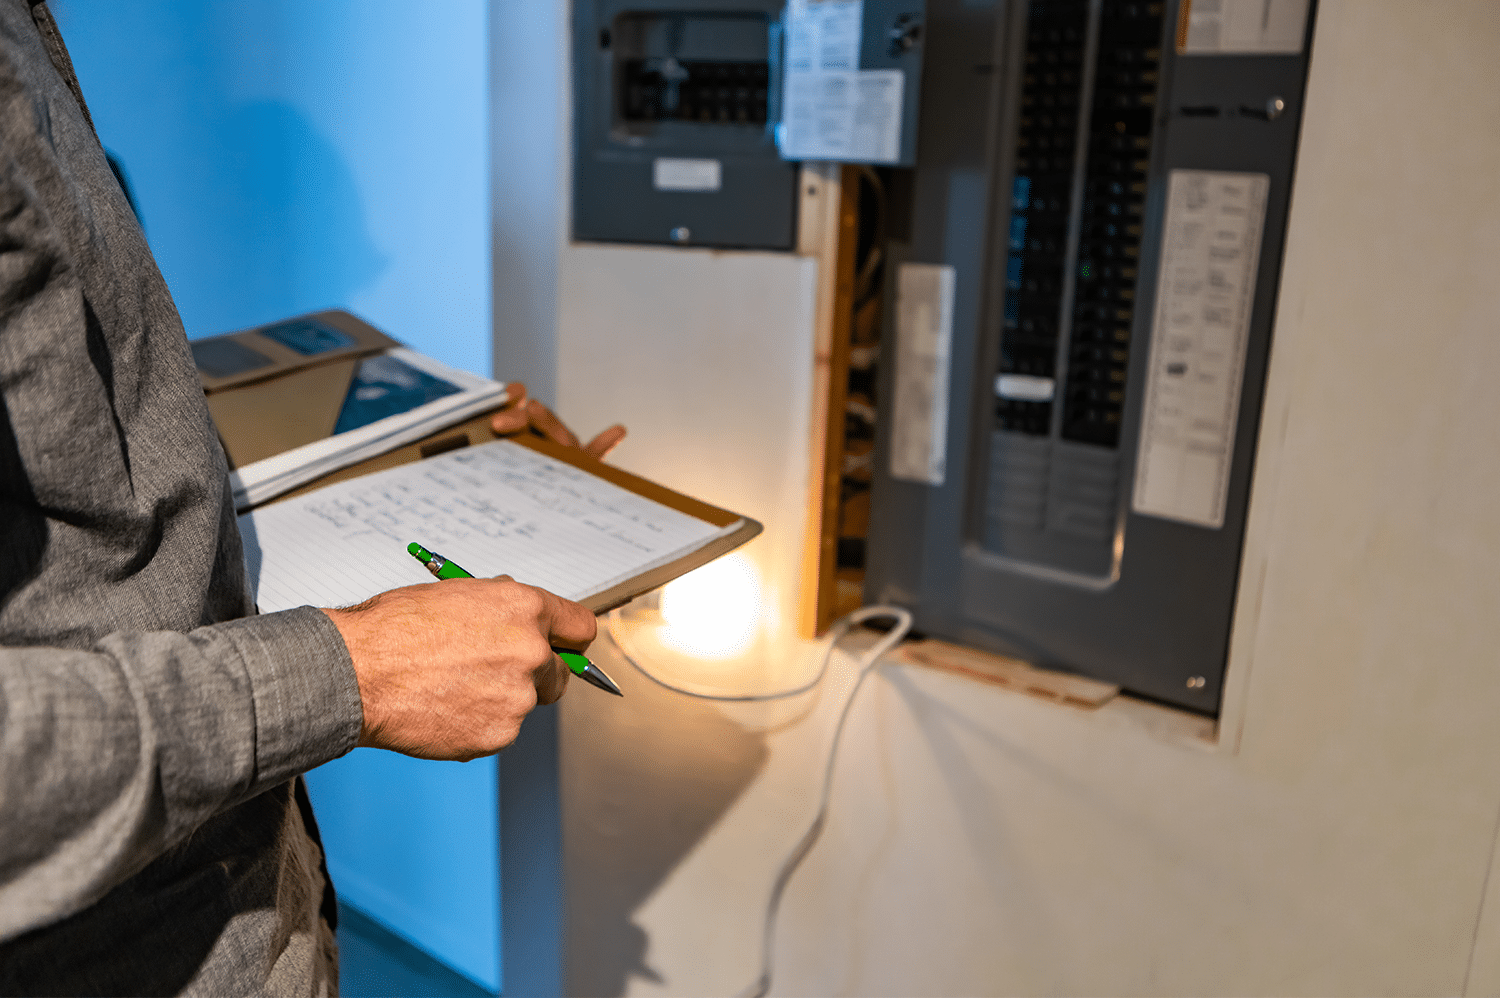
[522, 413]
[447, 670]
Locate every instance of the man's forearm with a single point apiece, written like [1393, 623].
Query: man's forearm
[111, 755]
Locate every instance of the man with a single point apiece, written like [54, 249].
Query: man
[155, 836]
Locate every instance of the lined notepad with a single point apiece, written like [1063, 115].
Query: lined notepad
[496, 508]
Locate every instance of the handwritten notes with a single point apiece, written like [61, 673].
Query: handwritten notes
[497, 508]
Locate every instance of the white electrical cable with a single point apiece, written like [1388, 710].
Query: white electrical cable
[867, 663]
[762, 985]
[839, 628]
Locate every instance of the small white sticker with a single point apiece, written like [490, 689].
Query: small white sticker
[924, 330]
[1210, 254]
[687, 174]
[1242, 27]
[1025, 388]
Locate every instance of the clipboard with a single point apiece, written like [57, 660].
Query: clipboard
[477, 431]
[319, 384]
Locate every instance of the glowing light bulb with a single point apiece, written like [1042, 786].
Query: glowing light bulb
[713, 611]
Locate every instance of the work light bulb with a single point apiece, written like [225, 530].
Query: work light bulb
[712, 612]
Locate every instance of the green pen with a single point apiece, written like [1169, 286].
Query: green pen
[578, 664]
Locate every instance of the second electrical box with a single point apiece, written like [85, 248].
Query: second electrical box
[1086, 265]
[675, 105]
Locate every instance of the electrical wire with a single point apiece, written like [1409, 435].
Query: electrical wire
[867, 663]
[838, 630]
[865, 282]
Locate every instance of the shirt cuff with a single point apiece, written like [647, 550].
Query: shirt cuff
[307, 706]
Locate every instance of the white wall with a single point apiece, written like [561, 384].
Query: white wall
[707, 357]
[1337, 841]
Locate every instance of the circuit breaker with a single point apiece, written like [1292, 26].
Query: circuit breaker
[1085, 266]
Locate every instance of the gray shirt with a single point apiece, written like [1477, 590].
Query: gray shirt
[153, 837]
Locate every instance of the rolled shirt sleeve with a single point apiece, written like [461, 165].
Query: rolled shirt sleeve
[114, 754]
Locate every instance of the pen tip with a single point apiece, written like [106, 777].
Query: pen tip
[596, 675]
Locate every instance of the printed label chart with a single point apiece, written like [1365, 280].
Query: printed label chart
[1211, 248]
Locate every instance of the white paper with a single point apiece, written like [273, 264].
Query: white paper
[831, 109]
[823, 35]
[845, 116]
[1210, 254]
[264, 480]
[924, 331]
[497, 508]
[1244, 27]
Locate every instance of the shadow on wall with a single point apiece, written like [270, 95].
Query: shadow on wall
[292, 235]
[264, 222]
[651, 774]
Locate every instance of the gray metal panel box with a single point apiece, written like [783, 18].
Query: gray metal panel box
[673, 105]
[1090, 517]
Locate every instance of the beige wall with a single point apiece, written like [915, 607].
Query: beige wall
[1338, 838]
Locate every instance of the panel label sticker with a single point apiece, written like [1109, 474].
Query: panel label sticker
[924, 331]
[687, 174]
[1241, 27]
[832, 109]
[823, 35]
[1210, 253]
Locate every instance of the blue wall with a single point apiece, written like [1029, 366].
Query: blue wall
[295, 156]
[414, 844]
[289, 157]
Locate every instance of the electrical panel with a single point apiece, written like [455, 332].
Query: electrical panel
[674, 107]
[1085, 263]
[690, 115]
